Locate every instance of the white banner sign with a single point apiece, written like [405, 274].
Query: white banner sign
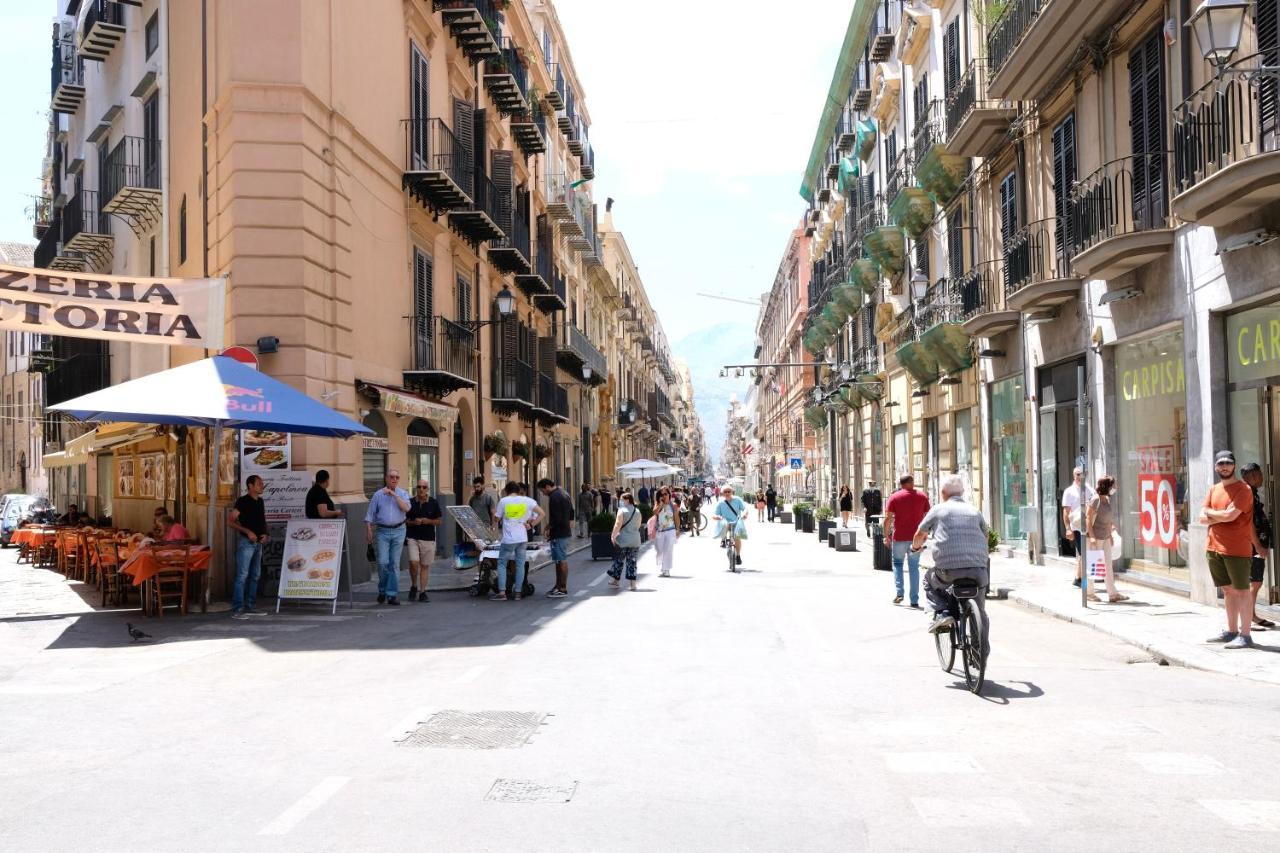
[312, 559]
[166, 311]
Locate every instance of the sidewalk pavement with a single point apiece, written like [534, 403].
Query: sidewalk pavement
[1170, 627]
[445, 578]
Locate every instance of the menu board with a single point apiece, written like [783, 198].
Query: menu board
[312, 559]
[264, 450]
[126, 477]
[477, 531]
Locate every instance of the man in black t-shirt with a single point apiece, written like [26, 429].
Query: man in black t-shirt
[249, 519]
[421, 522]
[319, 504]
[559, 529]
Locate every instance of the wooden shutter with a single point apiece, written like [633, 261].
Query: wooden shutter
[921, 105]
[955, 244]
[423, 295]
[463, 131]
[464, 298]
[1267, 19]
[922, 257]
[1008, 208]
[1147, 130]
[480, 148]
[419, 108]
[1064, 178]
[951, 56]
[503, 178]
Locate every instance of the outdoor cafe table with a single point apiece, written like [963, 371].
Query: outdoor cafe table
[142, 564]
[33, 536]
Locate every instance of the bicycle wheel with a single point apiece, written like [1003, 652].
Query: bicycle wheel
[975, 663]
[733, 553]
[700, 523]
[945, 643]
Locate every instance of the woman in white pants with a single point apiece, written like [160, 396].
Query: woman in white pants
[667, 532]
[1100, 523]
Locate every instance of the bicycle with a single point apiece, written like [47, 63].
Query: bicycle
[694, 522]
[729, 544]
[964, 636]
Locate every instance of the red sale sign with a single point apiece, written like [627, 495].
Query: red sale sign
[1159, 508]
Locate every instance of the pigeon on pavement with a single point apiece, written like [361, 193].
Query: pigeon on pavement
[135, 633]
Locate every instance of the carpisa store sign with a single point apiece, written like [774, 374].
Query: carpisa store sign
[167, 311]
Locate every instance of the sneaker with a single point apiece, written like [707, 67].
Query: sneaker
[915, 606]
[253, 612]
[1243, 641]
[239, 614]
[737, 560]
[422, 597]
[382, 599]
[1076, 583]
[897, 599]
[1224, 637]
[413, 593]
[518, 596]
[393, 601]
[498, 596]
[942, 623]
[557, 593]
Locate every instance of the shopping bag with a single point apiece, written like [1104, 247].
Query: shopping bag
[1096, 563]
[740, 529]
[653, 526]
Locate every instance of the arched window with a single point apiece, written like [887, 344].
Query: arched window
[375, 453]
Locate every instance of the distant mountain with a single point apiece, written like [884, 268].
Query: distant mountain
[706, 351]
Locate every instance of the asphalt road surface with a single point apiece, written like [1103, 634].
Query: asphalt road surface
[792, 707]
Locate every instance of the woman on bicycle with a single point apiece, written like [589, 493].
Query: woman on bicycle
[729, 514]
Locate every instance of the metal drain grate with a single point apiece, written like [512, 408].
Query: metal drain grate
[525, 791]
[476, 729]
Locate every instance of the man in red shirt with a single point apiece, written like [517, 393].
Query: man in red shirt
[1228, 510]
[902, 515]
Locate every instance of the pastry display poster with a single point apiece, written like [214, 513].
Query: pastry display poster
[312, 559]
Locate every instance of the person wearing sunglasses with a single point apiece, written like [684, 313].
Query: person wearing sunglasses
[421, 522]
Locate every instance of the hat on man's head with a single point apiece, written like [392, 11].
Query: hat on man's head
[1250, 467]
[1224, 456]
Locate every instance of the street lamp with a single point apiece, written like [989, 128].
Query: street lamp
[919, 284]
[506, 302]
[586, 373]
[1218, 25]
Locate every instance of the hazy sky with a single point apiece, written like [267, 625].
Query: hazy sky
[24, 69]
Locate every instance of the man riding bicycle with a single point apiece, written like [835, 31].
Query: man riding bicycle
[959, 553]
[729, 512]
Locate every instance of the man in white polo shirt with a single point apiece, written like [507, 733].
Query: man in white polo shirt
[1074, 500]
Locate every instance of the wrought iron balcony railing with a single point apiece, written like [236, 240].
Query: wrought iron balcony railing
[930, 129]
[1124, 196]
[443, 355]
[1004, 35]
[1035, 254]
[67, 90]
[978, 291]
[439, 168]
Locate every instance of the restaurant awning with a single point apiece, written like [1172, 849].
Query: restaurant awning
[62, 459]
[401, 402]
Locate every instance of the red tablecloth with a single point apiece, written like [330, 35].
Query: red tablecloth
[142, 564]
[32, 536]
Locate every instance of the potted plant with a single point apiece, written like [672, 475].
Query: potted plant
[993, 540]
[600, 526]
[540, 452]
[825, 522]
[801, 510]
[520, 449]
[495, 444]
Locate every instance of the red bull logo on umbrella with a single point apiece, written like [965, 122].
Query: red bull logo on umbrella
[246, 400]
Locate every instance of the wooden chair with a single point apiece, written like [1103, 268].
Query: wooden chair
[88, 559]
[168, 587]
[46, 553]
[114, 585]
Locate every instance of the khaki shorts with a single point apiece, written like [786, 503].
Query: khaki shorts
[420, 550]
[1229, 571]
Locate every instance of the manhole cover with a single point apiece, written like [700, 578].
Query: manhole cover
[525, 791]
[476, 729]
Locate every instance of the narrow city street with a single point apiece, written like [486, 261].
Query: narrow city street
[789, 707]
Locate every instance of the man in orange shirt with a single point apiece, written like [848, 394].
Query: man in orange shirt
[1228, 510]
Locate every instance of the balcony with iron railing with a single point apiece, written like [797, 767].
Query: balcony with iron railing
[530, 130]
[102, 29]
[443, 356]
[42, 216]
[1121, 216]
[439, 167]
[976, 123]
[86, 229]
[1037, 267]
[47, 246]
[574, 351]
[1226, 145]
[512, 253]
[67, 90]
[475, 26]
[538, 280]
[483, 220]
[507, 79]
[588, 164]
[552, 403]
[911, 207]
[576, 141]
[662, 408]
[1034, 41]
[884, 29]
[562, 198]
[555, 95]
[556, 297]
[980, 294]
[941, 333]
[512, 390]
[131, 186]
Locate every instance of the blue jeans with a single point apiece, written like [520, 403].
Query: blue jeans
[389, 542]
[901, 550]
[511, 551]
[248, 569]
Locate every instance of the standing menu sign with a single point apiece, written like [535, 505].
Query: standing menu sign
[313, 558]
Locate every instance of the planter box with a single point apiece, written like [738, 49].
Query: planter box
[806, 522]
[601, 546]
[799, 520]
[785, 518]
[824, 528]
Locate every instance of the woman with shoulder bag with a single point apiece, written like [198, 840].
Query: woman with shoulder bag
[667, 531]
[1100, 529]
[626, 540]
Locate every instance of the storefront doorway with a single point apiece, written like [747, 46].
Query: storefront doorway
[1009, 457]
[424, 454]
[1253, 402]
[1061, 449]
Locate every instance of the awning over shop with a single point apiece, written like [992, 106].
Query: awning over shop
[401, 402]
[62, 459]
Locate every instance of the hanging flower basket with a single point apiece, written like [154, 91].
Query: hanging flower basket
[541, 451]
[495, 444]
[520, 449]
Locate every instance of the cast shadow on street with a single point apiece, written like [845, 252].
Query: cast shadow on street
[1001, 694]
